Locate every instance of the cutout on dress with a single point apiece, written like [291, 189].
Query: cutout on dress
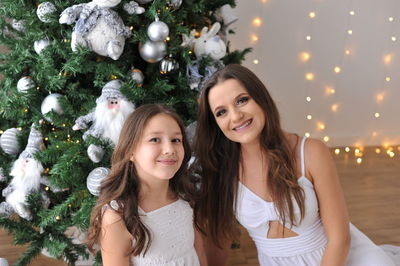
[277, 230]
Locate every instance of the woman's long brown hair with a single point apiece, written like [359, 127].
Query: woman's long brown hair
[123, 185]
[218, 160]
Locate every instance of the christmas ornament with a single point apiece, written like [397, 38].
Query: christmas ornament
[190, 131]
[98, 27]
[226, 15]
[25, 168]
[44, 9]
[137, 75]
[40, 45]
[2, 176]
[174, 4]
[152, 51]
[133, 8]
[168, 65]
[18, 25]
[51, 103]
[3, 262]
[93, 181]
[25, 83]
[195, 79]
[112, 108]
[157, 31]
[9, 141]
[209, 43]
[144, 1]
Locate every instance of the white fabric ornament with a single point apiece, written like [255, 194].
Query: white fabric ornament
[133, 8]
[174, 4]
[168, 65]
[18, 25]
[25, 83]
[9, 141]
[40, 45]
[157, 31]
[26, 172]
[152, 52]
[209, 43]
[44, 9]
[94, 179]
[51, 103]
[226, 14]
[97, 27]
[112, 109]
[137, 75]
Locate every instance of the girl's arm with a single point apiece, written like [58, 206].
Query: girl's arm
[115, 240]
[321, 168]
[199, 247]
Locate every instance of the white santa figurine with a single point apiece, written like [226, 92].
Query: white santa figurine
[112, 109]
[26, 172]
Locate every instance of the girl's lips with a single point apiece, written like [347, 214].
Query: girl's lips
[167, 161]
[244, 125]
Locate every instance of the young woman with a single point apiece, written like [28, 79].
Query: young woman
[141, 216]
[282, 188]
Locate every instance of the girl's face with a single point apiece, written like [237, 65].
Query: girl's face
[159, 152]
[238, 116]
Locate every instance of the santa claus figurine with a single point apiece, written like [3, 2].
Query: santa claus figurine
[26, 172]
[112, 108]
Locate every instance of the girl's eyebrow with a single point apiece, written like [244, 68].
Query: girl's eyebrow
[160, 132]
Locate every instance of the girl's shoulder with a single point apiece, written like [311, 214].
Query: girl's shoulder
[111, 213]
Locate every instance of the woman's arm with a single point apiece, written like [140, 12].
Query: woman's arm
[199, 246]
[217, 256]
[321, 168]
[115, 240]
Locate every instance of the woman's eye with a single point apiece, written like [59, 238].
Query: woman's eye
[154, 140]
[177, 140]
[220, 112]
[242, 100]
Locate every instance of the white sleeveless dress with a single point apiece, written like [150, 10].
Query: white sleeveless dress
[172, 235]
[306, 249]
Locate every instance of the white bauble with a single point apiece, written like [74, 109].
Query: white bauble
[25, 83]
[50, 103]
[9, 141]
[94, 179]
[40, 45]
[157, 31]
[137, 76]
[18, 25]
[44, 9]
[152, 51]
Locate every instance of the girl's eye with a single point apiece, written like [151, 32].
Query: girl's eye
[242, 100]
[220, 112]
[176, 140]
[154, 140]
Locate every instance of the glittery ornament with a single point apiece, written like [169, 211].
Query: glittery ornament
[44, 9]
[152, 51]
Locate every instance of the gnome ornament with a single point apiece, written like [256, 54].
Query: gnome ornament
[112, 109]
[98, 27]
[26, 172]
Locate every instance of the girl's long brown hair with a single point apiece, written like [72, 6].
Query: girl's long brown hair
[123, 185]
[218, 160]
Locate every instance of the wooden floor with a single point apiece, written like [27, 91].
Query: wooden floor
[372, 191]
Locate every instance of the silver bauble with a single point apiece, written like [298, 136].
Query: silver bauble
[94, 179]
[168, 65]
[50, 103]
[44, 9]
[9, 141]
[137, 75]
[174, 4]
[157, 31]
[152, 51]
[40, 45]
[25, 83]
[143, 1]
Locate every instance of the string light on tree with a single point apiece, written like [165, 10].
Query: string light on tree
[330, 90]
[305, 56]
[257, 22]
[334, 107]
[310, 76]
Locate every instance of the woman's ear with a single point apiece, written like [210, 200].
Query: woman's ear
[132, 159]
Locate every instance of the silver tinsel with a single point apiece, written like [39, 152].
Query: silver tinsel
[94, 179]
[152, 51]
[157, 31]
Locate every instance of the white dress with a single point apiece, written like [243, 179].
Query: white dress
[172, 235]
[307, 248]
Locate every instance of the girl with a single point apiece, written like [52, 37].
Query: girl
[142, 216]
[282, 188]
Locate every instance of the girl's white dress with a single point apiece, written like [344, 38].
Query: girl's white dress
[172, 235]
[306, 249]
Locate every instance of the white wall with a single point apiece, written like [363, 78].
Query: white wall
[282, 37]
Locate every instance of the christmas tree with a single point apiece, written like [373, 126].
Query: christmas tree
[71, 73]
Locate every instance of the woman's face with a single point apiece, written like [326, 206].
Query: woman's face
[239, 117]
